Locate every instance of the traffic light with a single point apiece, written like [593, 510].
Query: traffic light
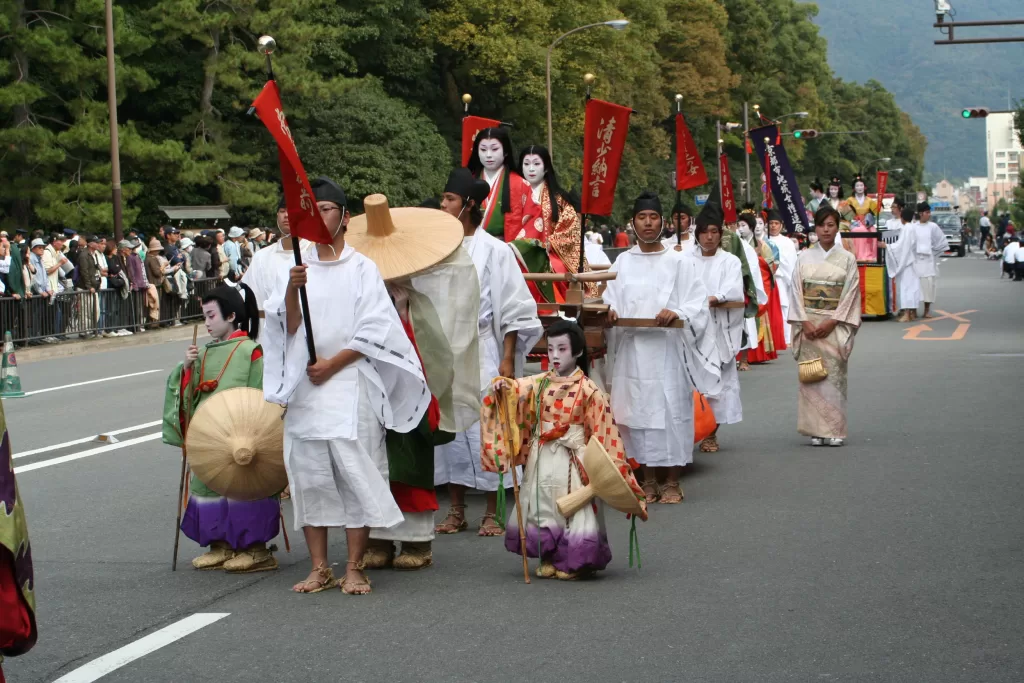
[974, 113]
[805, 134]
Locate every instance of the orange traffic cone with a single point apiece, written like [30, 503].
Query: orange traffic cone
[10, 381]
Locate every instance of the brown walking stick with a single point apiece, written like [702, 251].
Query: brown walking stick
[184, 460]
[506, 429]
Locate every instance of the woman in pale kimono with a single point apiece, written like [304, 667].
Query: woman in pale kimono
[557, 412]
[825, 314]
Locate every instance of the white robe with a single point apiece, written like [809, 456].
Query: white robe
[595, 254]
[334, 433]
[657, 369]
[722, 275]
[784, 275]
[505, 306]
[269, 269]
[900, 266]
[914, 257]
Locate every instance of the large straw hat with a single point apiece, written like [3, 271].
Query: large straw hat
[235, 445]
[606, 482]
[403, 241]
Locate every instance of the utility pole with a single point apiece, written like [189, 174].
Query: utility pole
[115, 155]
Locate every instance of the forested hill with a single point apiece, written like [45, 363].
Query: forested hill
[893, 43]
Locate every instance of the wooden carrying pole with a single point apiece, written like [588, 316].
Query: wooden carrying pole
[506, 429]
[184, 459]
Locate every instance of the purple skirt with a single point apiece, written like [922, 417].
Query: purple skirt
[237, 523]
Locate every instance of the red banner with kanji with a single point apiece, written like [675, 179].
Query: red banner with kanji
[883, 182]
[304, 218]
[471, 125]
[728, 198]
[604, 139]
[690, 171]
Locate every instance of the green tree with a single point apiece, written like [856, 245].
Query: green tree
[373, 143]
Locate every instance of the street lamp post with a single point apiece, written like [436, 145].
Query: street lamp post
[617, 24]
[873, 161]
[115, 156]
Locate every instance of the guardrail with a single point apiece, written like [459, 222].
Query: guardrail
[75, 314]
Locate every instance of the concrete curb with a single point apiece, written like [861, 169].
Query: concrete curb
[98, 345]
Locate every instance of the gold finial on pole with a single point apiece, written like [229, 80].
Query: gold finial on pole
[466, 99]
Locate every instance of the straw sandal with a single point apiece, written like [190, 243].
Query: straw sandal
[669, 498]
[709, 445]
[490, 529]
[456, 513]
[743, 366]
[255, 558]
[546, 570]
[379, 554]
[651, 491]
[326, 580]
[414, 556]
[214, 558]
[354, 586]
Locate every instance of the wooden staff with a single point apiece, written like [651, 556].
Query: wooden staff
[184, 460]
[506, 429]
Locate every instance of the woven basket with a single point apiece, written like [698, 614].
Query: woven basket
[812, 371]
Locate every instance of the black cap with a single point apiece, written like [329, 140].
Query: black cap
[712, 213]
[92, 239]
[923, 206]
[326, 190]
[171, 230]
[774, 215]
[647, 201]
[460, 182]
[281, 204]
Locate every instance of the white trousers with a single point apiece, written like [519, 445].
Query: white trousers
[342, 482]
[928, 289]
[417, 527]
[727, 406]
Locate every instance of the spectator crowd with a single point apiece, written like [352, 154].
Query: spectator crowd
[64, 285]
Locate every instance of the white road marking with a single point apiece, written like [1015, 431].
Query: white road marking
[92, 381]
[86, 454]
[87, 439]
[101, 666]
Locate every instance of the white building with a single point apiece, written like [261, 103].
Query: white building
[1002, 149]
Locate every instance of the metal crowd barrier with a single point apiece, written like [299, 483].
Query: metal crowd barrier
[74, 314]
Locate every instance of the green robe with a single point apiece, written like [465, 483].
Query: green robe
[731, 244]
[241, 371]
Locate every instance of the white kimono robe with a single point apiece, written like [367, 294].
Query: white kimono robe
[900, 267]
[505, 306]
[657, 369]
[915, 256]
[334, 448]
[722, 275]
[784, 275]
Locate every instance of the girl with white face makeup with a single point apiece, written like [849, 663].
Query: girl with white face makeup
[493, 160]
[549, 239]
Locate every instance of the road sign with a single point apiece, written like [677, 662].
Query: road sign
[701, 199]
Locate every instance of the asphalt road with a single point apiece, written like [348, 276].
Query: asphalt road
[896, 558]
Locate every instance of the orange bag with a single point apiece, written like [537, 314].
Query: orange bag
[703, 418]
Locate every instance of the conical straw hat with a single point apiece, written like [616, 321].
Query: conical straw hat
[606, 482]
[403, 241]
[235, 445]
